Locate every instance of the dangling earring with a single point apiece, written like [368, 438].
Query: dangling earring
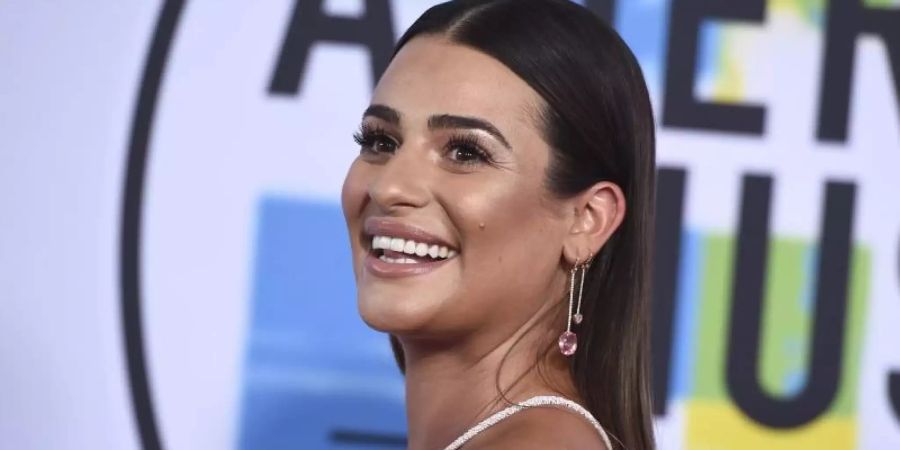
[568, 341]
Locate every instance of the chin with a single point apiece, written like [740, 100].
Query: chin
[397, 314]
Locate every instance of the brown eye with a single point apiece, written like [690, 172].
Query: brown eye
[465, 150]
[382, 144]
[465, 154]
[374, 141]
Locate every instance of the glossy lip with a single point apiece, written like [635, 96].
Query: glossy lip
[391, 270]
[377, 226]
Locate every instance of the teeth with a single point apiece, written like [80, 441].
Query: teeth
[397, 260]
[410, 247]
[381, 242]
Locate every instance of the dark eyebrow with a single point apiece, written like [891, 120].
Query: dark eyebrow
[385, 113]
[451, 121]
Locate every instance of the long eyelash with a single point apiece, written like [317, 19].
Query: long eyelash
[367, 134]
[471, 143]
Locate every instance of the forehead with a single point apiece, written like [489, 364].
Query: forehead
[431, 75]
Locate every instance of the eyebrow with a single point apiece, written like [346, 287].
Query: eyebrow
[385, 113]
[451, 121]
[440, 121]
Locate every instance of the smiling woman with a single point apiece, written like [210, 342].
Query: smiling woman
[507, 143]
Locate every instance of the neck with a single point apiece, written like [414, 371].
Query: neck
[451, 388]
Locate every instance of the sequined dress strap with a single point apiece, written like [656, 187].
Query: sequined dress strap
[541, 400]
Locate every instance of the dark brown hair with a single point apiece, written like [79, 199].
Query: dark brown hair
[598, 121]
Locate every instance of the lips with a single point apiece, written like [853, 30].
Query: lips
[398, 250]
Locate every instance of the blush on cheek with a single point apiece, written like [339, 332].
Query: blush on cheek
[353, 193]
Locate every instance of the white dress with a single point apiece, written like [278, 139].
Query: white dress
[541, 400]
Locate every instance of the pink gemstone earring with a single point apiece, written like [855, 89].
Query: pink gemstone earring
[568, 341]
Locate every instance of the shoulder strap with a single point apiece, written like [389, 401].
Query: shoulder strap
[541, 400]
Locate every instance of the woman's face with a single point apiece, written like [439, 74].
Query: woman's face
[451, 225]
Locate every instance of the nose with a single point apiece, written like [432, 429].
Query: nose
[402, 182]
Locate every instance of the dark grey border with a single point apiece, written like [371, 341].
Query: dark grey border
[130, 237]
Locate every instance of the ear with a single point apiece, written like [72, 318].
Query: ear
[597, 214]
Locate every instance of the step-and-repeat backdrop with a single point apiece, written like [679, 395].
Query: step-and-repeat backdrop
[174, 270]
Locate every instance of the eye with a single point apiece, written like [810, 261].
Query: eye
[374, 140]
[465, 150]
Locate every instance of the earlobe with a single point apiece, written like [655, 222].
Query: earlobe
[576, 245]
[572, 250]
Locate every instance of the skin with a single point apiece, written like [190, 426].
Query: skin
[501, 296]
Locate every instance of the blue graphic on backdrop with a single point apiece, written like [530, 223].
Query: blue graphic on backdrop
[315, 377]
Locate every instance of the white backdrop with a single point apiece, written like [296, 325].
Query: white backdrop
[244, 298]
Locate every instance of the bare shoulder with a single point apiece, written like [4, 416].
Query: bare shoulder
[540, 428]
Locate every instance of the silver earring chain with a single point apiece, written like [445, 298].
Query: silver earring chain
[581, 288]
[571, 296]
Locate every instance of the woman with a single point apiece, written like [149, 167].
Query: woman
[507, 143]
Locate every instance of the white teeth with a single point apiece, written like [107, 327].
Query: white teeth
[397, 260]
[379, 242]
[410, 247]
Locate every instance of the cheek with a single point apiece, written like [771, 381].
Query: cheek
[507, 225]
[353, 193]
[523, 228]
[510, 262]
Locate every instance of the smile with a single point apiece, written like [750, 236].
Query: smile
[397, 250]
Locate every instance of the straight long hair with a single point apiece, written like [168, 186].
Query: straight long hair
[598, 121]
